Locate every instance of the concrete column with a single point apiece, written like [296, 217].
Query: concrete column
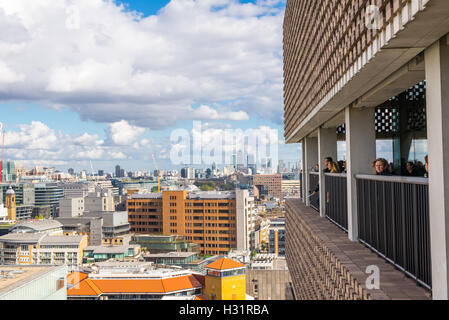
[360, 154]
[304, 170]
[327, 147]
[437, 77]
[311, 159]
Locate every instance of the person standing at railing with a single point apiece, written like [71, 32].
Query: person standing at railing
[411, 170]
[426, 166]
[381, 167]
[334, 168]
[328, 164]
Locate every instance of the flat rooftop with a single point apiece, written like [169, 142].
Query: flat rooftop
[13, 277]
[171, 255]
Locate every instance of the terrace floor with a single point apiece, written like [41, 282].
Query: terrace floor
[353, 256]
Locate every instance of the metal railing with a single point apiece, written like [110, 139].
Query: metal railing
[337, 199]
[314, 178]
[393, 215]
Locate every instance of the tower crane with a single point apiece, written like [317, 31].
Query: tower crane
[158, 174]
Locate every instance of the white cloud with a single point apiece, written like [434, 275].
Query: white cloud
[207, 113]
[122, 133]
[103, 62]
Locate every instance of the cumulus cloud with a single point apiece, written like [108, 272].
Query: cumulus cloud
[122, 133]
[108, 64]
[207, 113]
[36, 142]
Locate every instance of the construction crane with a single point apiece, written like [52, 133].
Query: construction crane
[158, 174]
[3, 149]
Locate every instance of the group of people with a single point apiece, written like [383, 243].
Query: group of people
[413, 169]
[331, 166]
[381, 168]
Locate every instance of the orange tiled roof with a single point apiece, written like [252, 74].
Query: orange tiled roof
[224, 264]
[76, 277]
[93, 287]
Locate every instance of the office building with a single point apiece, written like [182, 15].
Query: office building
[206, 218]
[47, 196]
[92, 227]
[115, 223]
[71, 207]
[277, 237]
[188, 173]
[74, 190]
[41, 248]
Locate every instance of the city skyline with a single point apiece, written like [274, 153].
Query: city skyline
[72, 107]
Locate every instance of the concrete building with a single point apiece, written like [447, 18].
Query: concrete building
[276, 237]
[41, 248]
[374, 75]
[115, 223]
[75, 190]
[99, 201]
[71, 207]
[92, 227]
[268, 185]
[33, 282]
[206, 218]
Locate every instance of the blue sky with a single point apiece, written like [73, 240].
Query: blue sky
[111, 89]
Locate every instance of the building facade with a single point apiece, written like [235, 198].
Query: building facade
[268, 185]
[373, 73]
[208, 219]
[42, 249]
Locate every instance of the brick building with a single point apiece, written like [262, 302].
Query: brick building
[269, 185]
[208, 219]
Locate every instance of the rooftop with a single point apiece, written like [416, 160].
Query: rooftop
[110, 249]
[38, 225]
[171, 255]
[89, 285]
[225, 264]
[12, 277]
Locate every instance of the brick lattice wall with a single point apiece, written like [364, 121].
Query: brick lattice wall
[322, 40]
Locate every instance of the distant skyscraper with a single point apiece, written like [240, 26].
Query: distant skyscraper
[117, 171]
[188, 173]
[122, 173]
[100, 173]
[234, 161]
[71, 171]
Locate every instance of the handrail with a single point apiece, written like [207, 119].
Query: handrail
[409, 180]
[314, 173]
[338, 175]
